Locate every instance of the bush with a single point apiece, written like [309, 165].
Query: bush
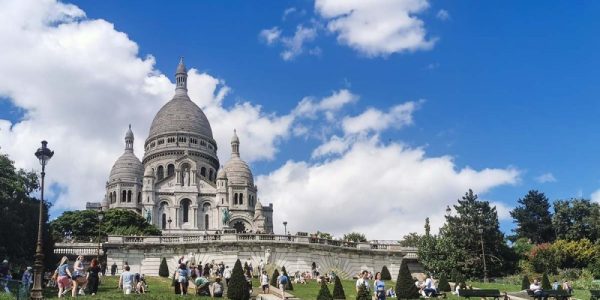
[338, 289]
[324, 293]
[385, 274]
[594, 268]
[543, 259]
[238, 286]
[363, 293]
[546, 282]
[405, 287]
[289, 285]
[274, 278]
[163, 270]
[525, 283]
[443, 285]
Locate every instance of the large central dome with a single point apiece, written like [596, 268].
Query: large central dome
[180, 114]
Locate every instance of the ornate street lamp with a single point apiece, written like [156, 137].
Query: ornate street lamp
[100, 217]
[485, 275]
[44, 154]
[285, 227]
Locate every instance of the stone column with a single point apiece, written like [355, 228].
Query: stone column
[195, 214]
[193, 177]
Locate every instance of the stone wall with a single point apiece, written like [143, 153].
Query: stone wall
[145, 257]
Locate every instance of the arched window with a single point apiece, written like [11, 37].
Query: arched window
[205, 221]
[124, 196]
[241, 198]
[160, 173]
[235, 198]
[164, 221]
[170, 169]
[114, 197]
[203, 172]
[185, 210]
[206, 207]
[129, 196]
[210, 175]
[139, 197]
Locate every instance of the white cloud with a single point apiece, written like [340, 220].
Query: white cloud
[443, 15]
[595, 196]
[80, 82]
[271, 35]
[294, 45]
[502, 210]
[377, 28]
[384, 191]
[308, 108]
[375, 120]
[545, 178]
[287, 12]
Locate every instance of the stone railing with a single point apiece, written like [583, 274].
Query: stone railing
[85, 249]
[392, 246]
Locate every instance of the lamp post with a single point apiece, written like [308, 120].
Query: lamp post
[44, 154]
[169, 221]
[100, 217]
[485, 277]
[448, 211]
[284, 227]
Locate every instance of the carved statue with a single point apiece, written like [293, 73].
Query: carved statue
[226, 216]
[186, 177]
[267, 255]
[149, 216]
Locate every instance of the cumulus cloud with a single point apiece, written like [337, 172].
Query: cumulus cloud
[545, 178]
[375, 120]
[308, 108]
[80, 83]
[373, 186]
[443, 15]
[595, 196]
[294, 45]
[377, 28]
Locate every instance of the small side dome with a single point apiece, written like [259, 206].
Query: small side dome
[221, 174]
[238, 172]
[129, 134]
[128, 167]
[234, 138]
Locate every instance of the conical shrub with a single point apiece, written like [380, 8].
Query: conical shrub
[338, 289]
[324, 293]
[363, 293]
[443, 285]
[525, 283]
[546, 282]
[163, 269]
[274, 278]
[385, 273]
[405, 287]
[238, 286]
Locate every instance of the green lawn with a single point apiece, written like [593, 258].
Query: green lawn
[516, 289]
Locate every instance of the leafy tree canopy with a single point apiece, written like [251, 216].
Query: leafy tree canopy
[576, 219]
[355, 237]
[533, 218]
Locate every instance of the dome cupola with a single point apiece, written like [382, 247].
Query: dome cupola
[127, 167]
[237, 170]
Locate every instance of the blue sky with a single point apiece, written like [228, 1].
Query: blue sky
[508, 85]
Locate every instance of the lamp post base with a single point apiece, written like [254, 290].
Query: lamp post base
[36, 291]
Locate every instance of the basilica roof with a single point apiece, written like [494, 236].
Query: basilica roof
[127, 167]
[237, 170]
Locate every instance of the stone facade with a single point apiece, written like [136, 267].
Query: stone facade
[179, 185]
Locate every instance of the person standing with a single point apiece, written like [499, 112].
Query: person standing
[79, 280]
[227, 275]
[182, 278]
[27, 278]
[126, 280]
[363, 280]
[113, 269]
[93, 277]
[282, 282]
[264, 282]
[64, 274]
[379, 287]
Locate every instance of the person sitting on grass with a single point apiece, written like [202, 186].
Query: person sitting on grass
[202, 285]
[216, 289]
[428, 287]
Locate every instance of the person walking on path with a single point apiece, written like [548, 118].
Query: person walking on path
[64, 274]
[93, 277]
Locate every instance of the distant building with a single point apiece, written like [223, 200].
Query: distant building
[179, 178]
[93, 206]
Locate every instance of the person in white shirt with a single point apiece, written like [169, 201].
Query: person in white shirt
[227, 275]
[537, 290]
[264, 282]
[363, 280]
[428, 287]
[126, 281]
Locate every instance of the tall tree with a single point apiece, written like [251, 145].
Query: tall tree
[576, 219]
[533, 218]
[411, 240]
[19, 215]
[476, 223]
[238, 286]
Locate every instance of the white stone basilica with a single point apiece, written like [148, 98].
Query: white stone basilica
[176, 186]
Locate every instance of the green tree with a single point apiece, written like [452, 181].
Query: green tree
[385, 273]
[82, 225]
[405, 287]
[163, 269]
[576, 219]
[546, 282]
[324, 235]
[238, 286]
[476, 222]
[324, 293]
[525, 283]
[443, 285]
[274, 278]
[338, 289]
[19, 217]
[355, 237]
[533, 218]
[363, 293]
[289, 285]
[411, 240]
